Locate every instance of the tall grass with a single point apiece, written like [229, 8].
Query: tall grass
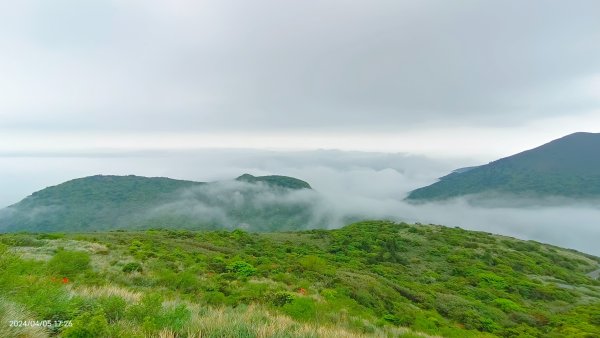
[10, 311]
[257, 321]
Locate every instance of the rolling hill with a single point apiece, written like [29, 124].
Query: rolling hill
[566, 167]
[109, 202]
[369, 279]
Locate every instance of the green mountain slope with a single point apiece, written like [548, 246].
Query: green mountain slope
[371, 279]
[276, 181]
[108, 202]
[569, 167]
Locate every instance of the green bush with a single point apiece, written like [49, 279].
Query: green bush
[23, 240]
[69, 263]
[241, 269]
[51, 236]
[506, 305]
[301, 309]
[314, 263]
[329, 294]
[149, 306]
[392, 319]
[492, 280]
[217, 264]
[174, 319]
[87, 325]
[214, 298]
[113, 306]
[132, 267]
[49, 300]
[252, 292]
[281, 298]
[186, 282]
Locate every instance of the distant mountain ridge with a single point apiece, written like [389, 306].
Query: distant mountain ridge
[566, 167]
[276, 180]
[107, 202]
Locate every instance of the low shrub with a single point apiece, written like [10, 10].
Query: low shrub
[69, 263]
[241, 269]
[113, 306]
[132, 267]
[281, 298]
[301, 309]
[88, 325]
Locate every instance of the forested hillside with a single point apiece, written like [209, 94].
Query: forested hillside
[567, 167]
[264, 203]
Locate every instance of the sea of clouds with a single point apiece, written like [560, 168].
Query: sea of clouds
[347, 185]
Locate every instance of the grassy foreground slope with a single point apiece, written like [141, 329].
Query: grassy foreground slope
[368, 279]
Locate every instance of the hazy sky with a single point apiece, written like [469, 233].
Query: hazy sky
[171, 88]
[444, 78]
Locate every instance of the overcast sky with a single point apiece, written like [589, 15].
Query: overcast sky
[208, 90]
[442, 78]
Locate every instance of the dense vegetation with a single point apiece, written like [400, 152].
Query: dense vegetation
[265, 203]
[568, 167]
[371, 278]
[276, 181]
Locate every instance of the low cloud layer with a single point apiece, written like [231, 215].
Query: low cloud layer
[347, 185]
[234, 204]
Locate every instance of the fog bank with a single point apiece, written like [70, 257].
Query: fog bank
[347, 185]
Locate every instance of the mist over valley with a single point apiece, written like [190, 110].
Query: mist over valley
[347, 186]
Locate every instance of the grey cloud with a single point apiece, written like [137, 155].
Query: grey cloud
[190, 208]
[572, 225]
[569, 224]
[255, 206]
[310, 65]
